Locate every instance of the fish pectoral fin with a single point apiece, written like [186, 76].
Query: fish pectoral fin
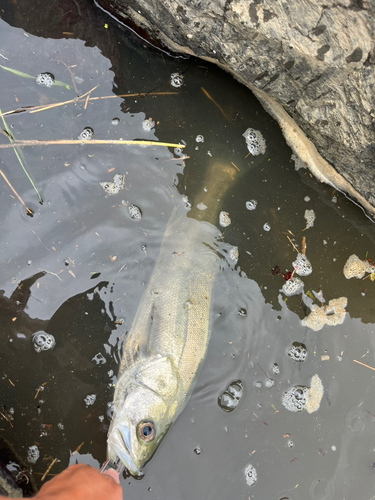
[159, 374]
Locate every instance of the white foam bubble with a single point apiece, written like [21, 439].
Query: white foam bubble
[224, 219]
[33, 454]
[302, 265]
[177, 80]
[251, 205]
[251, 475]
[90, 399]
[292, 286]
[148, 124]
[255, 141]
[310, 218]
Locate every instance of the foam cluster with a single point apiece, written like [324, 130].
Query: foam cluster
[255, 141]
[86, 134]
[43, 341]
[357, 268]
[300, 398]
[310, 218]
[177, 80]
[148, 124]
[332, 314]
[135, 212]
[45, 79]
[296, 398]
[292, 286]
[251, 475]
[224, 219]
[302, 265]
[33, 454]
[115, 186]
[298, 352]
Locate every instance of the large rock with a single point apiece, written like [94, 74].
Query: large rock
[315, 57]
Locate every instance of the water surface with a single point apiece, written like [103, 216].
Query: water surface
[98, 261]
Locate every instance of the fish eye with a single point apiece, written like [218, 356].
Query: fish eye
[146, 431]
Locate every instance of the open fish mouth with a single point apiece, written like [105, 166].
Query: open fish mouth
[120, 447]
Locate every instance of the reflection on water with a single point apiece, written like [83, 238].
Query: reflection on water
[78, 268]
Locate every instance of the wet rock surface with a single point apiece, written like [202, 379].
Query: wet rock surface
[316, 59]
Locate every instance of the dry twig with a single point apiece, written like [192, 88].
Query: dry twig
[294, 246]
[49, 468]
[28, 210]
[21, 143]
[363, 364]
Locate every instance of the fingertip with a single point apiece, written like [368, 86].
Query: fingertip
[113, 474]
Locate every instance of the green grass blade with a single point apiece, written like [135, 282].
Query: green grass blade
[18, 73]
[25, 75]
[18, 152]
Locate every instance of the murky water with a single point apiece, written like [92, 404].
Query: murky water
[98, 259]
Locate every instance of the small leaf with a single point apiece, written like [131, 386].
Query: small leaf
[61, 84]
[18, 73]
[372, 276]
[309, 294]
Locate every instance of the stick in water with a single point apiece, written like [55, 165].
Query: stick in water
[30, 212]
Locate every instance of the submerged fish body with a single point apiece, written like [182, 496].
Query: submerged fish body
[168, 340]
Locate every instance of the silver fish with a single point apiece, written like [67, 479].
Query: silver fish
[168, 340]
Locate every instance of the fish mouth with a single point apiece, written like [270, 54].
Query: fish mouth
[119, 447]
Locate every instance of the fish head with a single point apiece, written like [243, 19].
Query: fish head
[145, 407]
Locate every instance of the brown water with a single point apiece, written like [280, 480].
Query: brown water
[80, 231]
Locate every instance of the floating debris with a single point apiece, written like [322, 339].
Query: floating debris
[115, 121]
[224, 219]
[293, 286]
[251, 205]
[134, 212]
[148, 124]
[319, 296]
[307, 198]
[310, 218]
[90, 399]
[251, 475]
[242, 312]
[267, 227]
[230, 398]
[298, 352]
[298, 163]
[99, 359]
[46, 79]
[302, 265]
[315, 395]
[115, 186]
[86, 134]
[234, 254]
[269, 382]
[177, 80]
[43, 341]
[185, 199]
[198, 450]
[332, 314]
[357, 268]
[276, 369]
[254, 141]
[33, 454]
[201, 206]
[199, 138]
